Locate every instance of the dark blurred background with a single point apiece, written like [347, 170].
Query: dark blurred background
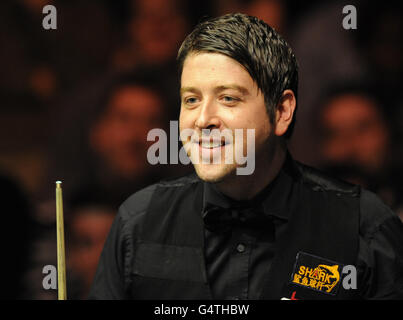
[76, 104]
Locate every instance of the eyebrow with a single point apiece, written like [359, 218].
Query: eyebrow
[188, 89]
[241, 89]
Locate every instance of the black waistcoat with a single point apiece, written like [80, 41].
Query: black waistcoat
[323, 223]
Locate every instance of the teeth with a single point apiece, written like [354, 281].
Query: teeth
[208, 144]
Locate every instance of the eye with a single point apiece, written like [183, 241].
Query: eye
[229, 100]
[190, 100]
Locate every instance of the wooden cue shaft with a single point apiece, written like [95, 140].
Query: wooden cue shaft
[61, 258]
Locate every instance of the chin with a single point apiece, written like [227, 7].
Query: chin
[214, 173]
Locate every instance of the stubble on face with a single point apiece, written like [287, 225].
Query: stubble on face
[211, 80]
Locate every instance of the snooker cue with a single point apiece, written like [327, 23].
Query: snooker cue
[61, 258]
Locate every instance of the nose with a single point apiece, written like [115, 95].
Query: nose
[208, 117]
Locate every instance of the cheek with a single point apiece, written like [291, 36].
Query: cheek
[263, 129]
[181, 122]
[186, 120]
[256, 134]
[184, 126]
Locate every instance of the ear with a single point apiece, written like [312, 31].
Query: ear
[285, 112]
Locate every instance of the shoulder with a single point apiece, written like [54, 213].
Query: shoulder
[138, 202]
[374, 214]
[320, 181]
[380, 256]
[373, 211]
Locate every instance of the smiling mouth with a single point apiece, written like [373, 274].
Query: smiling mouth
[211, 144]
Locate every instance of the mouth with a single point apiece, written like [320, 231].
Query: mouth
[210, 143]
[211, 149]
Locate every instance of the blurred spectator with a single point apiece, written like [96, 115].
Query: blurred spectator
[357, 144]
[354, 131]
[86, 231]
[102, 142]
[150, 38]
[273, 12]
[154, 33]
[118, 135]
[326, 54]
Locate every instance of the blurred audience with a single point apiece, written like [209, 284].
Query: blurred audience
[357, 142]
[150, 36]
[153, 33]
[101, 143]
[327, 54]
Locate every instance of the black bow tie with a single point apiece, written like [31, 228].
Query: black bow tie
[218, 219]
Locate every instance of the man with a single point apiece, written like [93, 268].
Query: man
[284, 231]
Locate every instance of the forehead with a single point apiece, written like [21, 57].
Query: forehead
[211, 67]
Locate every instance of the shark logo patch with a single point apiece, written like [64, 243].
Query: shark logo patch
[316, 273]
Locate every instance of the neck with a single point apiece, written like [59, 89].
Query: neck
[246, 187]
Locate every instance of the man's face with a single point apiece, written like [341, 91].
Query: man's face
[120, 136]
[354, 132]
[218, 93]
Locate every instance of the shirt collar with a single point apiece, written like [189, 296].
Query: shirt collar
[276, 198]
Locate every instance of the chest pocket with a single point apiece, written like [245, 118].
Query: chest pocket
[168, 272]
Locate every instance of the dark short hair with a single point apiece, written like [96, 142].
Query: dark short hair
[266, 56]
